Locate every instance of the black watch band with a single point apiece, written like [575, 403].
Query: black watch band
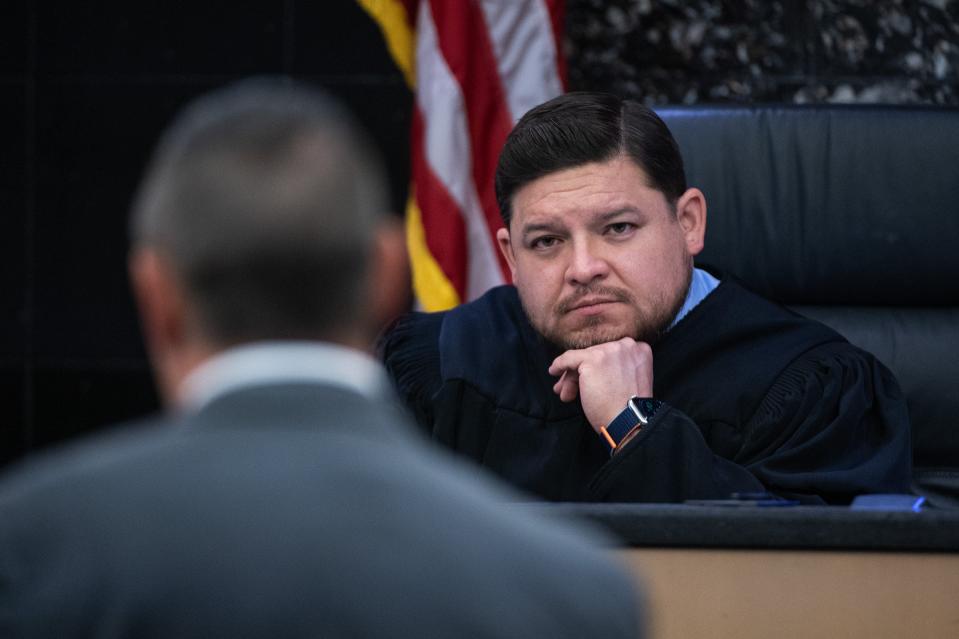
[638, 412]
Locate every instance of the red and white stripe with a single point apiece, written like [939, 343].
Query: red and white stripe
[480, 65]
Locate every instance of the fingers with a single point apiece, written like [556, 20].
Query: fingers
[603, 377]
[567, 387]
[566, 366]
[570, 360]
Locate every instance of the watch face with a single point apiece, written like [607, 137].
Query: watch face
[648, 406]
[645, 407]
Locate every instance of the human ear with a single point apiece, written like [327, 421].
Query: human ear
[691, 215]
[159, 299]
[502, 240]
[164, 316]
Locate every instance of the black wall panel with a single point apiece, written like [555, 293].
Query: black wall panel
[85, 90]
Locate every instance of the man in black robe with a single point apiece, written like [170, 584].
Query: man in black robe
[550, 382]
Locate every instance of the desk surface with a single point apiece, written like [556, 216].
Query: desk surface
[757, 594]
[795, 527]
[789, 572]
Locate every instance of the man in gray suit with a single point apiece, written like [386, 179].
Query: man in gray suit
[284, 493]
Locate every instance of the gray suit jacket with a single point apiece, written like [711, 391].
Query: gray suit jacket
[295, 510]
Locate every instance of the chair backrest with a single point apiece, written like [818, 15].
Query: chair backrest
[849, 215]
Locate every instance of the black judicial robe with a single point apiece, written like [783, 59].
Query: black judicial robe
[756, 398]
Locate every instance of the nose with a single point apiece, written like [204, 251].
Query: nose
[586, 264]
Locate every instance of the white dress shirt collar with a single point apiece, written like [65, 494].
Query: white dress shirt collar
[277, 362]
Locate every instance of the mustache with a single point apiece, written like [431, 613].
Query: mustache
[567, 304]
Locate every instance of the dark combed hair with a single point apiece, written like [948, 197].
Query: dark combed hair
[584, 127]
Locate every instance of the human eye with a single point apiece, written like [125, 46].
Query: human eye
[620, 228]
[543, 242]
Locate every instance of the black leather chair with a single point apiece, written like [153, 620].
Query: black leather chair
[849, 215]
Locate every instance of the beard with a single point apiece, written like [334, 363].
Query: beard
[649, 324]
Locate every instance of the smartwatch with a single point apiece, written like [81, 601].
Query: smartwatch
[638, 412]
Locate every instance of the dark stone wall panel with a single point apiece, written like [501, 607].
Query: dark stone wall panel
[886, 51]
[684, 52]
[674, 52]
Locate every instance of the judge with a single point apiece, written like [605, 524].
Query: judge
[614, 369]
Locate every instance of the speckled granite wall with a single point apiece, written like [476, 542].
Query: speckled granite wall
[671, 51]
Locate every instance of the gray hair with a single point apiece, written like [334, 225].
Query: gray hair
[264, 196]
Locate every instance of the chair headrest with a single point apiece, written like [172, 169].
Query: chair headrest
[829, 204]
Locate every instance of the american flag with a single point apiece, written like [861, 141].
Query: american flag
[475, 66]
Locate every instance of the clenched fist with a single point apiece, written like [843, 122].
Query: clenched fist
[604, 377]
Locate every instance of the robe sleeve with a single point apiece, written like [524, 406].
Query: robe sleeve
[832, 425]
[410, 352]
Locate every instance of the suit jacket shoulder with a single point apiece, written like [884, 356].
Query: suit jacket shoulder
[295, 506]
